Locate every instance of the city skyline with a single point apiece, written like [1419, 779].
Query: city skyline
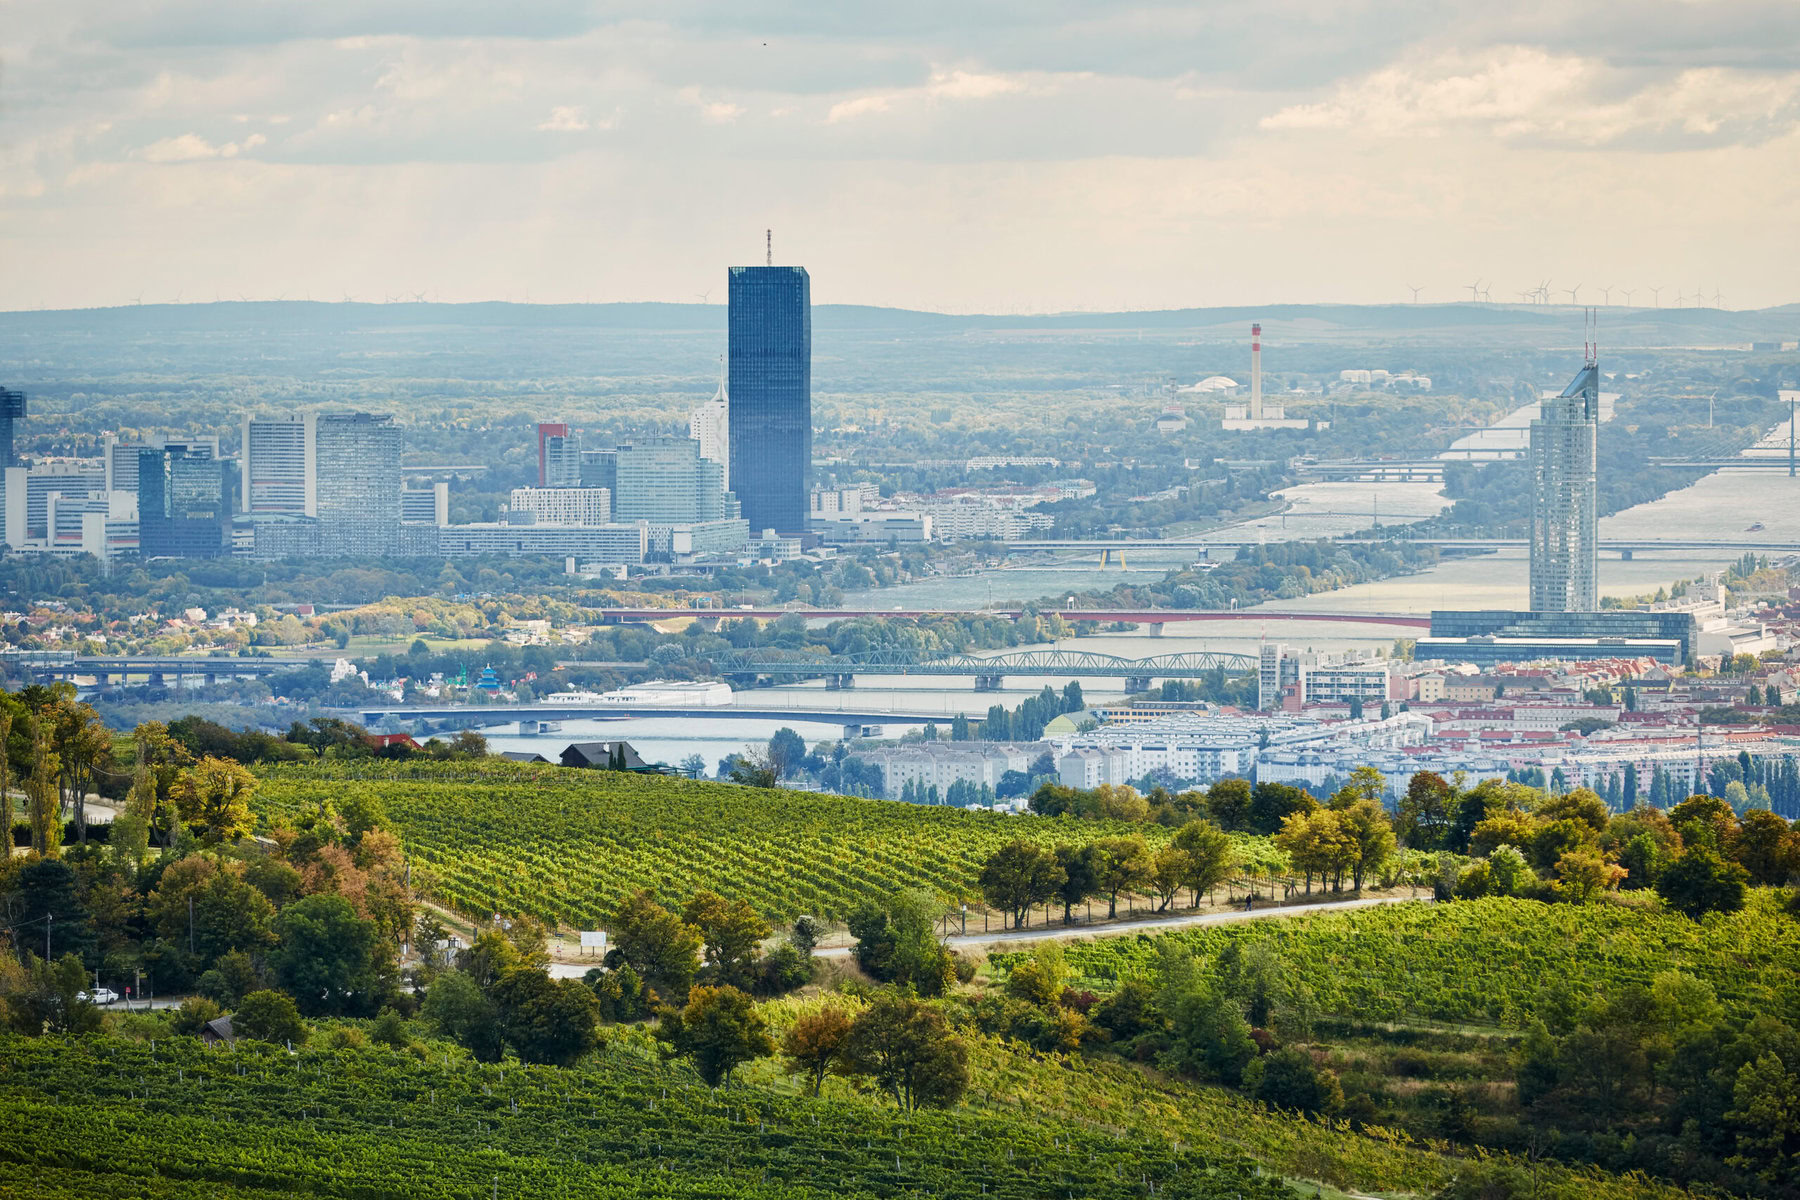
[1066, 158]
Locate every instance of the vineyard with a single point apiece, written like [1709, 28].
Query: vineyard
[114, 1118]
[565, 845]
[1485, 961]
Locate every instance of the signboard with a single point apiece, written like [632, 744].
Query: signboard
[593, 940]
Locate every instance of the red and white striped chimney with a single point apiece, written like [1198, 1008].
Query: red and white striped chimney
[1256, 372]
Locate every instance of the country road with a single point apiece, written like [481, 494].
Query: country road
[998, 938]
[965, 941]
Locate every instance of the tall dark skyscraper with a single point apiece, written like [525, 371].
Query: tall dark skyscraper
[12, 407]
[185, 500]
[770, 395]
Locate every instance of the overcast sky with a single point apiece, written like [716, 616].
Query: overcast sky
[1031, 155]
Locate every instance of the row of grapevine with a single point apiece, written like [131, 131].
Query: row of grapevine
[378, 1124]
[1487, 961]
[565, 845]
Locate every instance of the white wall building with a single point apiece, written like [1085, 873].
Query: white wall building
[563, 505]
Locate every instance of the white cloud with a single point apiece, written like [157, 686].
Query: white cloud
[566, 118]
[721, 111]
[191, 147]
[955, 84]
[1525, 93]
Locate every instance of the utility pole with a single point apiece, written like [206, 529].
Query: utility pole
[49, 919]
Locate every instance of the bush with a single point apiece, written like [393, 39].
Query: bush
[193, 1014]
[345, 1037]
[784, 970]
[389, 1029]
[1288, 1079]
[269, 1016]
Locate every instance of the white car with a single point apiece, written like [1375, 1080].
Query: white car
[100, 996]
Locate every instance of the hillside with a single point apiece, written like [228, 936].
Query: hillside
[566, 845]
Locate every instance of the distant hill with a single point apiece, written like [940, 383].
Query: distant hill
[1530, 326]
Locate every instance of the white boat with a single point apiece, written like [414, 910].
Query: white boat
[655, 693]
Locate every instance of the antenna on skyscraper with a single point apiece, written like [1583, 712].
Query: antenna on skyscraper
[768, 247]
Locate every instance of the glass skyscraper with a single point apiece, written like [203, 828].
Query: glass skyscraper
[185, 501]
[1564, 528]
[769, 420]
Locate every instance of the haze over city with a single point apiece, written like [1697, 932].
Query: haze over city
[999, 158]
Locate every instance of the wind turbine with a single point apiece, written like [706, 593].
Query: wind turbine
[1629, 293]
[1656, 295]
[1544, 292]
[1415, 291]
[1680, 298]
[1606, 296]
[1718, 300]
[1525, 297]
[1486, 295]
[1474, 290]
[1573, 292]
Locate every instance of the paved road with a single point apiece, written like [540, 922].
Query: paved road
[1144, 925]
[575, 970]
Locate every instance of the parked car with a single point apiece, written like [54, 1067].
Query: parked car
[100, 996]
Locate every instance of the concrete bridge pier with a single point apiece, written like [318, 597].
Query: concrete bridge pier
[155, 679]
[1138, 683]
[1156, 628]
[989, 683]
[840, 683]
[1625, 555]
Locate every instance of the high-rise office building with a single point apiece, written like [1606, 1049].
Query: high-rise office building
[665, 481]
[356, 483]
[600, 469]
[1564, 526]
[185, 501]
[710, 425]
[277, 466]
[559, 456]
[770, 395]
[120, 459]
[12, 408]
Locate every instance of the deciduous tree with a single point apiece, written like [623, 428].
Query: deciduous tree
[815, 1043]
[1019, 875]
[719, 1029]
[213, 797]
[904, 1045]
[1211, 856]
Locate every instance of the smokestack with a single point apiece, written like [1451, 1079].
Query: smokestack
[1256, 372]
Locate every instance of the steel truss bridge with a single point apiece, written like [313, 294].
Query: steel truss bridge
[989, 672]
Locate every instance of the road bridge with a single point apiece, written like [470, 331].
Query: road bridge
[1721, 464]
[856, 722]
[1625, 546]
[990, 672]
[1153, 617]
[50, 664]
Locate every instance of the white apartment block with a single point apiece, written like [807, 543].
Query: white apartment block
[564, 506]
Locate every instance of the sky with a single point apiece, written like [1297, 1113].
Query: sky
[1003, 157]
